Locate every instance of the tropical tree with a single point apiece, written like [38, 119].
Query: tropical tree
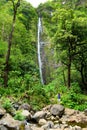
[68, 38]
[80, 59]
[6, 70]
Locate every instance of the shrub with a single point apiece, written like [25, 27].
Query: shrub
[7, 105]
[19, 116]
[75, 88]
[74, 99]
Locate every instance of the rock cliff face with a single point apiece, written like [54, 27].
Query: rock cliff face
[52, 117]
[46, 60]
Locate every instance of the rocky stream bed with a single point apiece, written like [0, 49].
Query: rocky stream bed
[52, 117]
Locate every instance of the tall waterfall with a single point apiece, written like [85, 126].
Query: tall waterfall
[39, 49]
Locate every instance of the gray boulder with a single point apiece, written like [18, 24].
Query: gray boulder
[8, 123]
[3, 127]
[26, 114]
[25, 106]
[42, 122]
[48, 125]
[39, 115]
[57, 110]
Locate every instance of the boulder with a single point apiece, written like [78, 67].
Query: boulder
[48, 125]
[48, 115]
[3, 127]
[57, 110]
[70, 112]
[2, 111]
[8, 122]
[78, 118]
[77, 128]
[39, 115]
[42, 122]
[25, 106]
[26, 114]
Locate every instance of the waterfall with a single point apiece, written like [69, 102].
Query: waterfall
[39, 49]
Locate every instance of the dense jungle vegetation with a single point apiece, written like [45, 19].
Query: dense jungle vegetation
[65, 28]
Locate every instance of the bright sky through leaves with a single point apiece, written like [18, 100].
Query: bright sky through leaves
[35, 3]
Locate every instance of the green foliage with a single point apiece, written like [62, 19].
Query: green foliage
[27, 15]
[49, 89]
[74, 99]
[3, 49]
[64, 25]
[5, 92]
[38, 94]
[19, 116]
[75, 88]
[7, 105]
[15, 83]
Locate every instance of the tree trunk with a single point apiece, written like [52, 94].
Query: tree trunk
[6, 69]
[69, 75]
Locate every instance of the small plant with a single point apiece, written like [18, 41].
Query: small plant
[19, 116]
[7, 105]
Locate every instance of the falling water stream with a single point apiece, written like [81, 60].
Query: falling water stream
[39, 49]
